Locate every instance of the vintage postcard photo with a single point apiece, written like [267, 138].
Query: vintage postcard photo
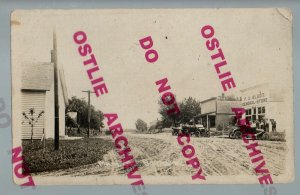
[152, 96]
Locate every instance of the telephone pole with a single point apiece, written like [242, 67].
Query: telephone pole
[56, 103]
[89, 110]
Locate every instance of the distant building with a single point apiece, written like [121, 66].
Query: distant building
[216, 112]
[38, 94]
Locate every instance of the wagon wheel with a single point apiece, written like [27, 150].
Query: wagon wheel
[231, 135]
[238, 135]
[197, 133]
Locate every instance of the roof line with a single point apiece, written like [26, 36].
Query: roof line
[212, 98]
[37, 90]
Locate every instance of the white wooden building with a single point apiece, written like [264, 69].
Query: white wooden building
[38, 93]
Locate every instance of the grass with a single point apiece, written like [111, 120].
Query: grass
[71, 153]
[82, 132]
[277, 136]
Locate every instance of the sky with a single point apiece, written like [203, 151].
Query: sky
[256, 44]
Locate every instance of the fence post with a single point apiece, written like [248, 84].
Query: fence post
[44, 140]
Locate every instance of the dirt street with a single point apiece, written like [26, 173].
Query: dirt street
[160, 155]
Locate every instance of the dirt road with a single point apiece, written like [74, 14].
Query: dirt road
[160, 155]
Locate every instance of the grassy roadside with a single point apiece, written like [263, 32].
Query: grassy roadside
[72, 153]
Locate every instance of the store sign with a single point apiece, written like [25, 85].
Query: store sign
[254, 99]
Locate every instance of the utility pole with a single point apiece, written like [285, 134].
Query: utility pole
[56, 103]
[89, 110]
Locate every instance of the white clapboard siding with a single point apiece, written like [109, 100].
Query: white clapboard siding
[36, 100]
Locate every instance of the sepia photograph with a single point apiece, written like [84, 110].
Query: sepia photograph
[153, 96]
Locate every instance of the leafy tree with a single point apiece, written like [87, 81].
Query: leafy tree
[81, 107]
[70, 122]
[97, 119]
[140, 125]
[167, 119]
[189, 108]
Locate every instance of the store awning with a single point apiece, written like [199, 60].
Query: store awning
[205, 114]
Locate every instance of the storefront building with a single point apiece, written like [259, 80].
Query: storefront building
[264, 106]
[216, 112]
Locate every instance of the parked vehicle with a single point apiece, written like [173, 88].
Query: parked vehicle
[176, 130]
[236, 133]
[191, 129]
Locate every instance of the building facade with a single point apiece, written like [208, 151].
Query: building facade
[264, 105]
[216, 112]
